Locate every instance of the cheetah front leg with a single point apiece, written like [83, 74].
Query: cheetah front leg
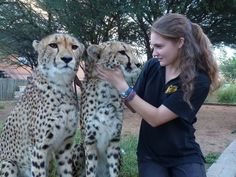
[39, 161]
[8, 169]
[91, 159]
[114, 158]
[64, 159]
[78, 160]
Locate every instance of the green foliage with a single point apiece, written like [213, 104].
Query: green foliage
[211, 158]
[228, 68]
[227, 94]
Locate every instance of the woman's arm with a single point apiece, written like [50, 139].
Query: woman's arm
[154, 116]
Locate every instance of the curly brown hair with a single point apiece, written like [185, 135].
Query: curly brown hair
[195, 54]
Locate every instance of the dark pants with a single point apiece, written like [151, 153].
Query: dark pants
[152, 169]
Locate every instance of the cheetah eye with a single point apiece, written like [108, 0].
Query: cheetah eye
[53, 45]
[74, 47]
[122, 52]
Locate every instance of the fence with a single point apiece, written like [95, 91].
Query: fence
[9, 86]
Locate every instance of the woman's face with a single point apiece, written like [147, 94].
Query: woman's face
[165, 50]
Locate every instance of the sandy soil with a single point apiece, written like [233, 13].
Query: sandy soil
[215, 128]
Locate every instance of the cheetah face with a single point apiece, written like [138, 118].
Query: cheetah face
[58, 55]
[112, 53]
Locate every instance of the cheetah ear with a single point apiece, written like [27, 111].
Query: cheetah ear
[35, 45]
[94, 51]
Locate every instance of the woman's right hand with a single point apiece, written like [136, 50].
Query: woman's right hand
[113, 76]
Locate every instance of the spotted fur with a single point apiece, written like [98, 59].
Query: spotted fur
[44, 120]
[101, 113]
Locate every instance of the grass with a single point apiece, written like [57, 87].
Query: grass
[1, 126]
[2, 106]
[129, 160]
[211, 158]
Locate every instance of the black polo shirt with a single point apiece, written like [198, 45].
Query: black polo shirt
[174, 142]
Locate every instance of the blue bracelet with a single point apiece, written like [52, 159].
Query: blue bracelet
[130, 96]
[125, 94]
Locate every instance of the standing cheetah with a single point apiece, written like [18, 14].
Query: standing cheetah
[101, 113]
[44, 121]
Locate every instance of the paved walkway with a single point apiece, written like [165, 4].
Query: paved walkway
[225, 166]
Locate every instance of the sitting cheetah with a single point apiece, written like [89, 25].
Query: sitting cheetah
[101, 113]
[44, 121]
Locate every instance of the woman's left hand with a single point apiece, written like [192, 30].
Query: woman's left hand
[113, 76]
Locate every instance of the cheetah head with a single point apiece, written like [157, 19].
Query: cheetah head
[58, 56]
[112, 53]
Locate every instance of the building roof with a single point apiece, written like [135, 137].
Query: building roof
[16, 72]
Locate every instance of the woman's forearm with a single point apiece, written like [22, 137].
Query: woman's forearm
[154, 116]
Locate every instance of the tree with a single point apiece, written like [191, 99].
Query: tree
[20, 25]
[95, 21]
[217, 18]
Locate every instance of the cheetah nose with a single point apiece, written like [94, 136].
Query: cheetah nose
[66, 59]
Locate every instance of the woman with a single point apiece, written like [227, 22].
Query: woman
[170, 91]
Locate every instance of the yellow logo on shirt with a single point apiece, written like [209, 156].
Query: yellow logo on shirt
[171, 89]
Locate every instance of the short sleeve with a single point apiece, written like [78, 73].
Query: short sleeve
[176, 104]
[150, 67]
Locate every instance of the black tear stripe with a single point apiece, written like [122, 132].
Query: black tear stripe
[126, 53]
[54, 60]
[44, 52]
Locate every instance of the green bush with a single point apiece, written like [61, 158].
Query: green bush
[227, 94]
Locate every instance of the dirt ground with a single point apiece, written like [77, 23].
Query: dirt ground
[215, 128]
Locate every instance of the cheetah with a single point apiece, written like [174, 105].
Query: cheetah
[101, 113]
[45, 119]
